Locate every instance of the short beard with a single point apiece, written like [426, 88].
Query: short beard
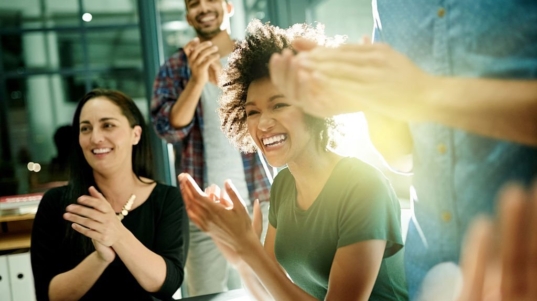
[207, 34]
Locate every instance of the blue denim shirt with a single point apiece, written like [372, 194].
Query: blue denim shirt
[458, 174]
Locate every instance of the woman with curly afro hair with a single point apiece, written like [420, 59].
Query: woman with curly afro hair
[334, 231]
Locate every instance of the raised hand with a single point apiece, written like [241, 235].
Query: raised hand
[226, 221]
[203, 59]
[95, 218]
[511, 274]
[328, 81]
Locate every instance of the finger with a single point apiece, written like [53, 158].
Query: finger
[85, 231]
[201, 48]
[302, 44]
[257, 221]
[513, 255]
[213, 191]
[189, 47]
[288, 80]
[474, 259]
[238, 203]
[97, 200]
[277, 70]
[88, 212]
[84, 221]
[531, 236]
[358, 54]
[208, 61]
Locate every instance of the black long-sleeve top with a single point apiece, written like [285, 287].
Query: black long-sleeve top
[160, 223]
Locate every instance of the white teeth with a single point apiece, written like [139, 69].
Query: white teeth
[273, 139]
[101, 150]
[208, 18]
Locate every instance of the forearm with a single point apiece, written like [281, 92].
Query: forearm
[271, 276]
[147, 267]
[184, 108]
[74, 284]
[502, 109]
[252, 284]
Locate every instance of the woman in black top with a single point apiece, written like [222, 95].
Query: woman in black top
[112, 233]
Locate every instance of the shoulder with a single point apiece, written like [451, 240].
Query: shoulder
[283, 180]
[177, 59]
[165, 194]
[54, 198]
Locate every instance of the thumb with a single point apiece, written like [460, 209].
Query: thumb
[302, 44]
[95, 193]
[257, 221]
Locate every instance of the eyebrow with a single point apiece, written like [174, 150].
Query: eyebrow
[271, 99]
[100, 120]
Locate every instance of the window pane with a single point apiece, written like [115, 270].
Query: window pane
[129, 80]
[115, 48]
[105, 12]
[345, 17]
[41, 51]
[175, 30]
[38, 13]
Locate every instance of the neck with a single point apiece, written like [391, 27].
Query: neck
[118, 187]
[313, 170]
[223, 41]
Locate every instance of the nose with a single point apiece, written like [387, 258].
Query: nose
[203, 6]
[266, 122]
[96, 136]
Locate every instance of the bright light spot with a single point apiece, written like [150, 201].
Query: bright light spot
[87, 17]
[30, 166]
[37, 167]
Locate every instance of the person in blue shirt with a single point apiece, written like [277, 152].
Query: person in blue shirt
[451, 83]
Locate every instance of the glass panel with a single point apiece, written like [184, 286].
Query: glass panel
[115, 48]
[349, 17]
[129, 80]
[38, 13]
[36, 107]
[175, 30]
[38, 51]
[105, 12]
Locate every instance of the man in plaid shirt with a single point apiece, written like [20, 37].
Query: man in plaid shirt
[184, 110]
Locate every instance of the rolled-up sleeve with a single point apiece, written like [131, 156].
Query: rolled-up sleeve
[168, 85]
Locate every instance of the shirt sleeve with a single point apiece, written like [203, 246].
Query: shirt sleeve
[171, 241]
[371, 211]
[47, 235]
[168, 85]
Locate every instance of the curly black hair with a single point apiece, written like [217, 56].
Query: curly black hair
[249, 62]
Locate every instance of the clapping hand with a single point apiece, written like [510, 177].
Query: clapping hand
[96, 219]
[203, 59]
[503, 268]
[222, 215]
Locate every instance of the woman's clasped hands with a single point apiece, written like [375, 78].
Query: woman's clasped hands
[95, 218]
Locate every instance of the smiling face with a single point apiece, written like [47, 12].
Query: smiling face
[106, 137]
[208, 17]
[278, 129]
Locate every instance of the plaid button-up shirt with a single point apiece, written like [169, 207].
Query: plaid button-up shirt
[169, 84]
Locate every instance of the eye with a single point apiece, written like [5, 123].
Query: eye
[280, 105]
[251, 112]
[108, 125]
[84, 129]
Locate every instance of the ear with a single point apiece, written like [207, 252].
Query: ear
[137, 134]
[230, 9]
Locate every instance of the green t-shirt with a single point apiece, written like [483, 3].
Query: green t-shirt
[356, 204]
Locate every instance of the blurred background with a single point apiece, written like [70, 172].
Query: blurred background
[53, 51]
